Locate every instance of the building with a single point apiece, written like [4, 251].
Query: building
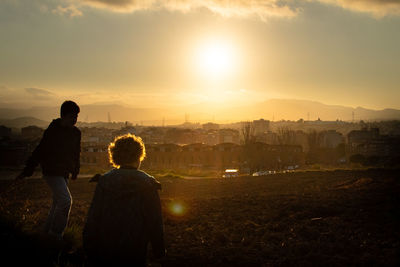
[181, 136]
[368, 142]
[96, 135]
[260, 126]
[267, 138]
[95, 155]
[128, 129]
[4, 131]
[211, 137]
[330, 139]
[221, 156]
[153, 135]
[362, 136]
[94, 146]
[32, 132]
[301, 139]
[210, 126]
[162, 156]
[228, 136]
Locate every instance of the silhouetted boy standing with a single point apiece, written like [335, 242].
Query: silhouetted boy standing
[58, 154]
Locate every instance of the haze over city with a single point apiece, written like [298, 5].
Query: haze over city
[208, 55]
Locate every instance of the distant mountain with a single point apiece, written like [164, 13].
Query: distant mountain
[94, 112]
[273, 109]
[23, 122]
[293, 109]
[42, 113]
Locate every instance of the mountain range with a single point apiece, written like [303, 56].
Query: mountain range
[273, 109]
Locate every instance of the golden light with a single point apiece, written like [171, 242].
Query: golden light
[216, 59]
[177, 208]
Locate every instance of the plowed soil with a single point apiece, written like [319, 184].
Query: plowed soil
[335, 218]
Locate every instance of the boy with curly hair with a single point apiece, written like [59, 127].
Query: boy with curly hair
[125, 214]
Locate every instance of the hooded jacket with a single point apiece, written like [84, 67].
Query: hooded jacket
[58, 151]
[124, 216]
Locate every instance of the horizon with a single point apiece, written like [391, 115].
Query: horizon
[130, 105]
[271, 110]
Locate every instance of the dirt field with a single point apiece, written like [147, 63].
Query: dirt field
[335, 218]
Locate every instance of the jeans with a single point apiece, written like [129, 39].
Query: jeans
[62, 201]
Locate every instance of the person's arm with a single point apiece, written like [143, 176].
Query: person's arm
[154, 222]
[77, 155]
[36, 156]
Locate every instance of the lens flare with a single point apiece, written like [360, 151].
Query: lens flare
[177, 208]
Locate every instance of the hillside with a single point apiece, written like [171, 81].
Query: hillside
[24, 122]
[336, 218]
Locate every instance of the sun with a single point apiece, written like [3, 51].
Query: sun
[215, 59]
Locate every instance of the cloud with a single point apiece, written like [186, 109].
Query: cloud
[69, 10]
[377, 8]
[263, 9]
[39, 94]
[241, 8]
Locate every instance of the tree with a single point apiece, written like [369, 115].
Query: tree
[314, 147]
[313, 140]
[247, 132]
[286, 136]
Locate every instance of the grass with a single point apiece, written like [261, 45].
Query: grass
[335, 218]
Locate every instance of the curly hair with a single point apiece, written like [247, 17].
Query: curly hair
[126, 149]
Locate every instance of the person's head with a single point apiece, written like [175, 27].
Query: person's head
[69, 113]
[126, 150]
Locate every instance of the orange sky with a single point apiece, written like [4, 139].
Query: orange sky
[168, 53]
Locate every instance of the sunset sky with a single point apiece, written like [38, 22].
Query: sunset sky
[163, 53]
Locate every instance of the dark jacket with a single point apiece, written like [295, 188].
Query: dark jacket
[125, 215]
[58, 151]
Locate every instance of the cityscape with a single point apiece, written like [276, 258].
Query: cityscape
[269, 145]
